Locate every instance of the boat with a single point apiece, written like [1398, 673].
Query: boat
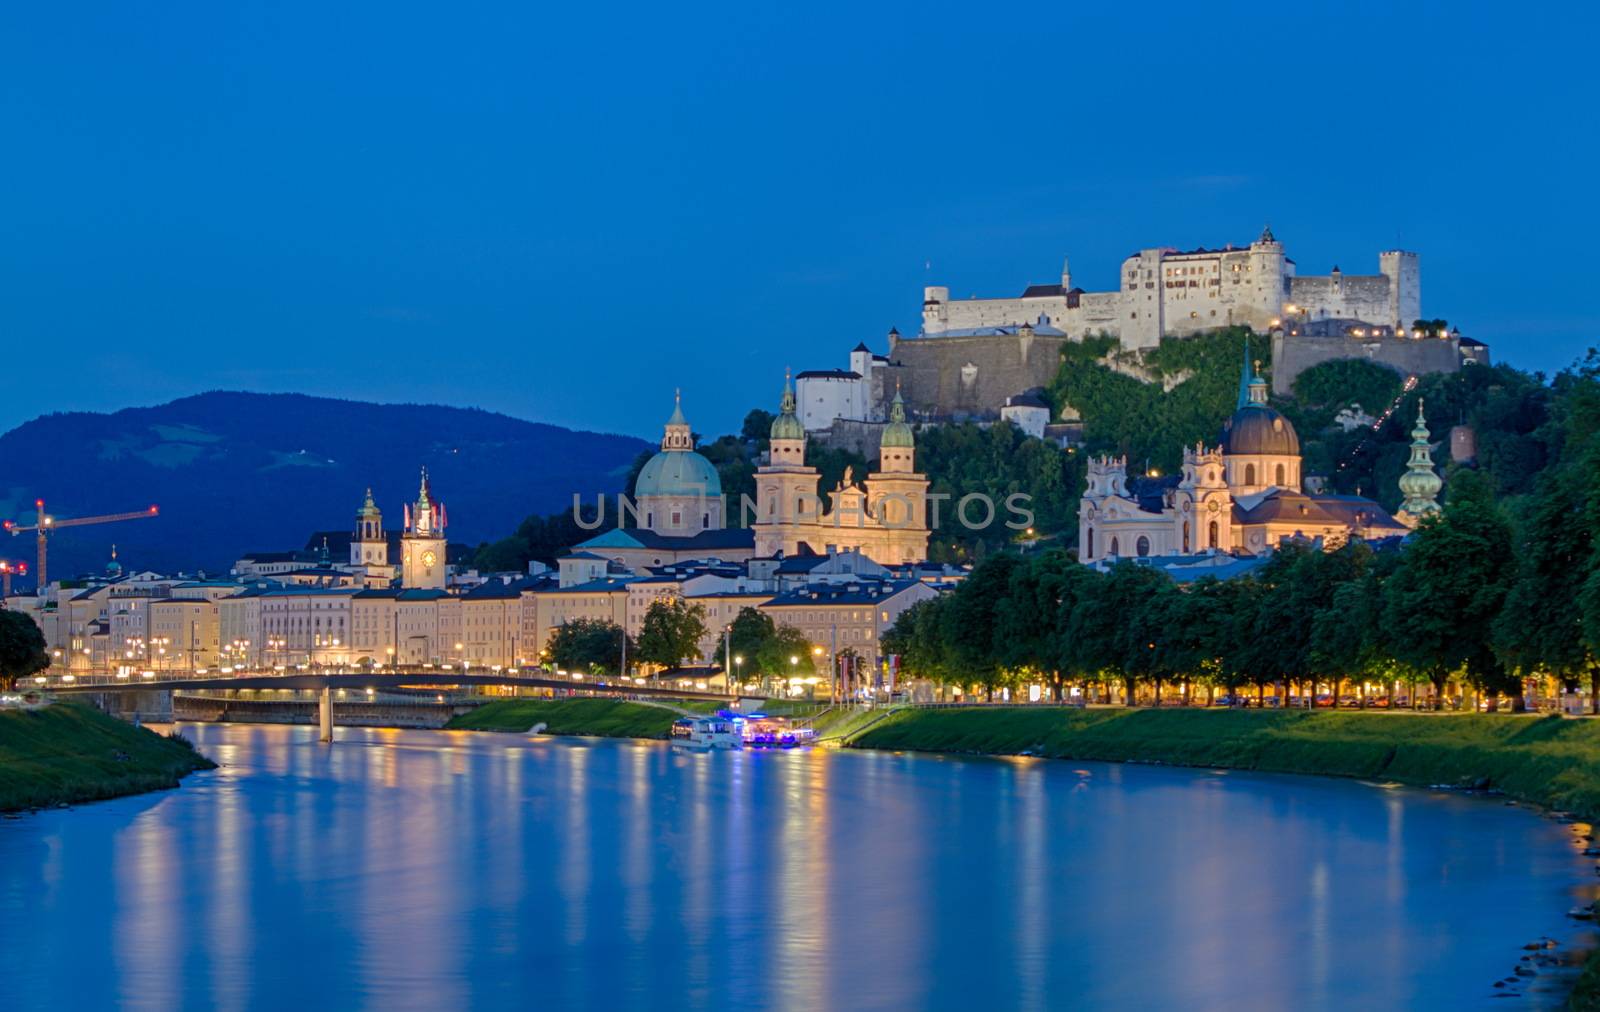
[762, 731]
[705, 733]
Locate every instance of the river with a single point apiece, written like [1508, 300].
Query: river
[438, 870]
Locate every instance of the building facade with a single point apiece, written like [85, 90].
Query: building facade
[1242, 496]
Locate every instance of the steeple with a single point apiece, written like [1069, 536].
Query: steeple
[787, 425]
[1257, 391]
[1066, 274]
[1420, 485]
[677, 435]
[897, 433]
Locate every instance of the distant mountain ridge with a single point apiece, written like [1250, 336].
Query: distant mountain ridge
[235, 472]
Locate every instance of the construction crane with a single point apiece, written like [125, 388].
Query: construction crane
[44, 524]
[8, 569]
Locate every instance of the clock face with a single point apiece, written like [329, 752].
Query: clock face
[428, 559]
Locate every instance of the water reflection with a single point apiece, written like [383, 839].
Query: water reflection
[433, 870]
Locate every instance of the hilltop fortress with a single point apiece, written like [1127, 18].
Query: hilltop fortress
[982, 357]
[1174, 293]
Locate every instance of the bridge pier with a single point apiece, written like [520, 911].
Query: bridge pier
[325, 713]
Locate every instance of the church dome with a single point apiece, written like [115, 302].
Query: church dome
[1258, 429]
[678, 473]
[1255, 428]
[898, 432]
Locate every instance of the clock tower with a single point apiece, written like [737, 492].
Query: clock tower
[422, 546]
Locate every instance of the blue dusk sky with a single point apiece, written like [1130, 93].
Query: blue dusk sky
[562, 212]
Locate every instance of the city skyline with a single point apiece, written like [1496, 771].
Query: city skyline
[759, 193]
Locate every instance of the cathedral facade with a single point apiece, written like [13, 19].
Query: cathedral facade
[884, 517]
[1242, 496]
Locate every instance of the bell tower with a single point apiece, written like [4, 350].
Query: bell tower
[422, 546]
[369, 547]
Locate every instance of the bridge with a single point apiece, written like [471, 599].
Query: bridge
[161, 686]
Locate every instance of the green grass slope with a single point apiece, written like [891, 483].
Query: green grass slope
[70, 752]
[1546, 760]
[603, 718]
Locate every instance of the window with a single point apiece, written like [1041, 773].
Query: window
[1249, 474]
[1113, 547]
[1186, 536]
[1213, 533]
[1090, 543]
[1142, 546]
[1280, 482]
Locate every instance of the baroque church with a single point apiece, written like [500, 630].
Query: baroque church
[1242, 496]
[680, 513]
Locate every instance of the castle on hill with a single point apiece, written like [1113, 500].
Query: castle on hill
[1165, 292]
[976, 357]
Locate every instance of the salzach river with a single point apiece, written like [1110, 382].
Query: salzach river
[437, 870]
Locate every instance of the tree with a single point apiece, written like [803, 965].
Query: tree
[671, 632]
[788, 654]
[1031, 613]
[970, 623]
[1443, 600]
[588, 644]
[22, 648]
[748, 637]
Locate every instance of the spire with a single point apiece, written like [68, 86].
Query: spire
[1419, 485]
[1258, 386]
[677, 435]
[787, 424]
[897, 433]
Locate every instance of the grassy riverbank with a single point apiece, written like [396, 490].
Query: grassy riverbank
[603, 718]
[1546, 760]
[70, 752]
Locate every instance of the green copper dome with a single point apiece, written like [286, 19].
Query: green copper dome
[368, 508]
[898, 433]
[678, 473]
[677, 470]
[787, 424]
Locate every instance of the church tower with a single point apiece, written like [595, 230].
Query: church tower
[368, 546]
[422, 546]
[897, 494]
[1420, 485]
[786, 489]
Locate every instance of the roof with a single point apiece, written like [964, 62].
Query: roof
[583, 555]
[838, 374]
[607, 584]
[861, 347]
[1351, 511]
[1040, 329]
[1258, 429]
[855, 592]
[678, 473]
[1151, 492]
[636, 537]
[1042, 291]
[1028, 400]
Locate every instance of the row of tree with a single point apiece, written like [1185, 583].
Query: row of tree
[1490, 594]
[670, 635]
